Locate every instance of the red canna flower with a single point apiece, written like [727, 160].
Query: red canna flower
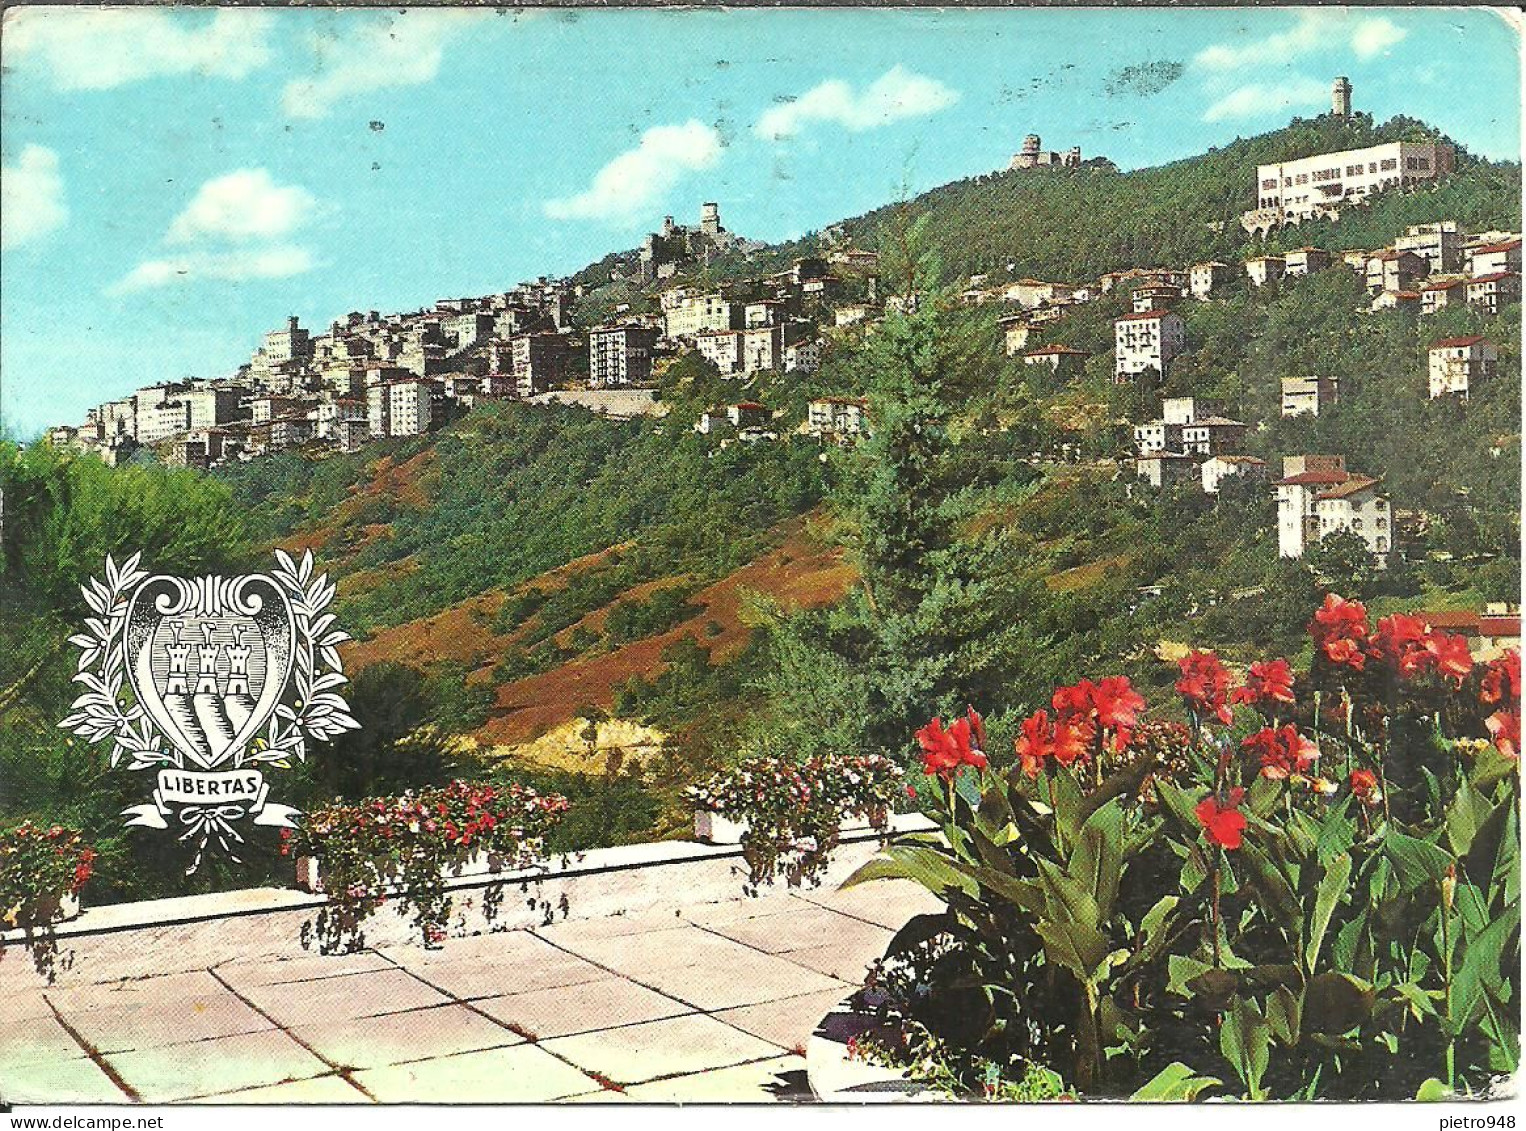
[1283, 752]
[1267, 683]
[1502, 679]
[1035, 743]
[1340, 631]
[1364, 787]
[1448, 654]
[1072, 742]
[1400, 640]
[978, 725]
[944, 751]
[1204, 685]
[1505, 730]
[1117, 703]
[1223, 823]
[1075, 701]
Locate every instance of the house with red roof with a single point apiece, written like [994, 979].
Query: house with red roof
[1492, 293]
[1493, 258]
[1146, 341]
[1062, 360]
[1317, 497]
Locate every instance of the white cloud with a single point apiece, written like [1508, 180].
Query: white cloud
[245, 204]
[31, 197]
[1259, 100]
[405, 49]
[276, 262]
[1373, 36]
[1314, 31]
[895, 95]
[639, 177]
[100, 48]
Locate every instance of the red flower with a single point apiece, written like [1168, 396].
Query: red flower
[1502, 679]
[1505, 729]
[1282, 752]
[1117, 703]
[1364, 787]
[1269, 682]
[1223, 823]
[1072, 742]
[1204, 685]
[1400, 639]
[1035, 744]
[1113, 704]
[944, 751]
[1449, 654]
[1075, 701]
[1339, 629]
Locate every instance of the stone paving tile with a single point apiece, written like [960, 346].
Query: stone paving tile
[504, 947]
[614, 926]
[766, 1081]
[374, 1042]
[189, 985]
[78, 1080]
[25, 1040]
[803, 925]
[224, 1065]
[23, 1005]
[564, 1010]
[318, 1090]
[744, 978]
[788, 1022]
[522, 1074]
[656, 948]
[845, 959]
[142, 1021]
[889, 903]
[344, 998]
[243, 974]
[497, 965]
[675, 1046]
[774, 902]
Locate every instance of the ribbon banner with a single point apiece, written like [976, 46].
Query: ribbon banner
[230, 795]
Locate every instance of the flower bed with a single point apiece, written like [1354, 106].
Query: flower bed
[359, 854]
[1309, 891]
[787, 814]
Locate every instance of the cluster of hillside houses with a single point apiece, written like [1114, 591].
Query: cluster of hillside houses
[371, 376]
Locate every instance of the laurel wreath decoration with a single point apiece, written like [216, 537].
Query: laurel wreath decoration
[99, 714]
[317, 714]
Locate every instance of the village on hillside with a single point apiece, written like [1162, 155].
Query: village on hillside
[372, 376]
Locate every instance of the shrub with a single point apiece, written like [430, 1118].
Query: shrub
[38, 867]
[1314, 896]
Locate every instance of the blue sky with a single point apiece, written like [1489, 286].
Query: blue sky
[177, 182]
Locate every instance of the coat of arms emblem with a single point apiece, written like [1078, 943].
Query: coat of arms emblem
[210, 681]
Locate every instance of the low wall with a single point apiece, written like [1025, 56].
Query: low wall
[162, 936]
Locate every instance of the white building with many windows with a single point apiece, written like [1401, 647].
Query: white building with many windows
[1455, 363]
[1293, 191]
[1147, 341]
[1317, 497]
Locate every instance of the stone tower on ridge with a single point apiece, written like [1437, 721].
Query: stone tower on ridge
[1340, 97]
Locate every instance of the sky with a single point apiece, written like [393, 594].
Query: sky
[177, 182]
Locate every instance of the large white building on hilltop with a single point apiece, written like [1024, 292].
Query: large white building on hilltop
[1295, 191]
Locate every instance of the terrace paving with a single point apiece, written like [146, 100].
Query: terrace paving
[713, 1003]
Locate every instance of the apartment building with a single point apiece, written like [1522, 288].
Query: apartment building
[1146, 342]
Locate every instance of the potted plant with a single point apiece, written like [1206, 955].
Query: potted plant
[41, 874]
[1307, 890]
[358, 854]
[788, 814]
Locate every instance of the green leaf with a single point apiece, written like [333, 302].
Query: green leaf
[926, 866]
[1181, 970]
[1179, 805]
[1078, 947]
[1416, 862]
[1283, 1013]
[1337, 833]
[1245, 1039]
[1175, 1083]
[1335, 1003]
[1433, 1091]
[1097, 862]
[1274, 889]
[1262, 797]
[1332, 885]
[1464, 814]
[1154, 930]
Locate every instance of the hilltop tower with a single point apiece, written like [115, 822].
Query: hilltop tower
[710, 218]
[1340, 97]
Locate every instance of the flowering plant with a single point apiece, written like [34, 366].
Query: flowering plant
[1310, 889]
[404, 845]
[793, 809]
[38, 868]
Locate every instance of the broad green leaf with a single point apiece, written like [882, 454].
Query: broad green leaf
[1416, 862]
[1245, 1039]
[1181, 970]
[1278, 895]
[1433, 1091]
[1079, 947]
[1097, 862]
[1332, 885]
[1175, 1083]
[1283, 1014]
[926, 866]
[1337, 833]
[1179, 805]
[1262, 797]
[1335, 1003]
